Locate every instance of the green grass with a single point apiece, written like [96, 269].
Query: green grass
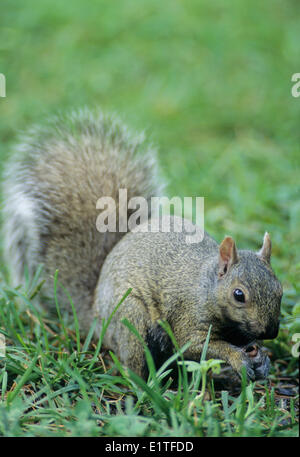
[52, 387]
[211, 84]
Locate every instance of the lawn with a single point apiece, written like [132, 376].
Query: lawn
[210, 83]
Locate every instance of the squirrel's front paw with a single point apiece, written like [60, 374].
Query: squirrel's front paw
[254, 359]
[247, 363]
[258, 360]
[240, 359]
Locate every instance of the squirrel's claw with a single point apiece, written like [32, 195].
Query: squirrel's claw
[249, 370]
[257, 362]
[261, 365]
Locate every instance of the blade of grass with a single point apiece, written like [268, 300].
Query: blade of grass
[242, 406]
[224, 398]
[182, 371]
[11, 395]
[148, 355]
[104, 328]
[76, 322]
[3, 384]
[161, 404]
[88, 340]
[59, 313]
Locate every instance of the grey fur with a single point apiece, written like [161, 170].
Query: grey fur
[179, 283]
[51, 187]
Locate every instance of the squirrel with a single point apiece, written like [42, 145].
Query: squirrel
[51, 187]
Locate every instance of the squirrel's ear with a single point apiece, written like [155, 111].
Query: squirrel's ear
[265, 252]
[227, 255]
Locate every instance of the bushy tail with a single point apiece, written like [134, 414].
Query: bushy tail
[51, 187]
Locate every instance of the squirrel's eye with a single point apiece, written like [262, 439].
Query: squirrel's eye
[239, 295]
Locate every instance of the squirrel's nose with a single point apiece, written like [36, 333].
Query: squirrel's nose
[271, 332]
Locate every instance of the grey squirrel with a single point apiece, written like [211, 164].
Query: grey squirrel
[51, 188]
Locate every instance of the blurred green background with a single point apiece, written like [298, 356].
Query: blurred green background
[210, 81]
